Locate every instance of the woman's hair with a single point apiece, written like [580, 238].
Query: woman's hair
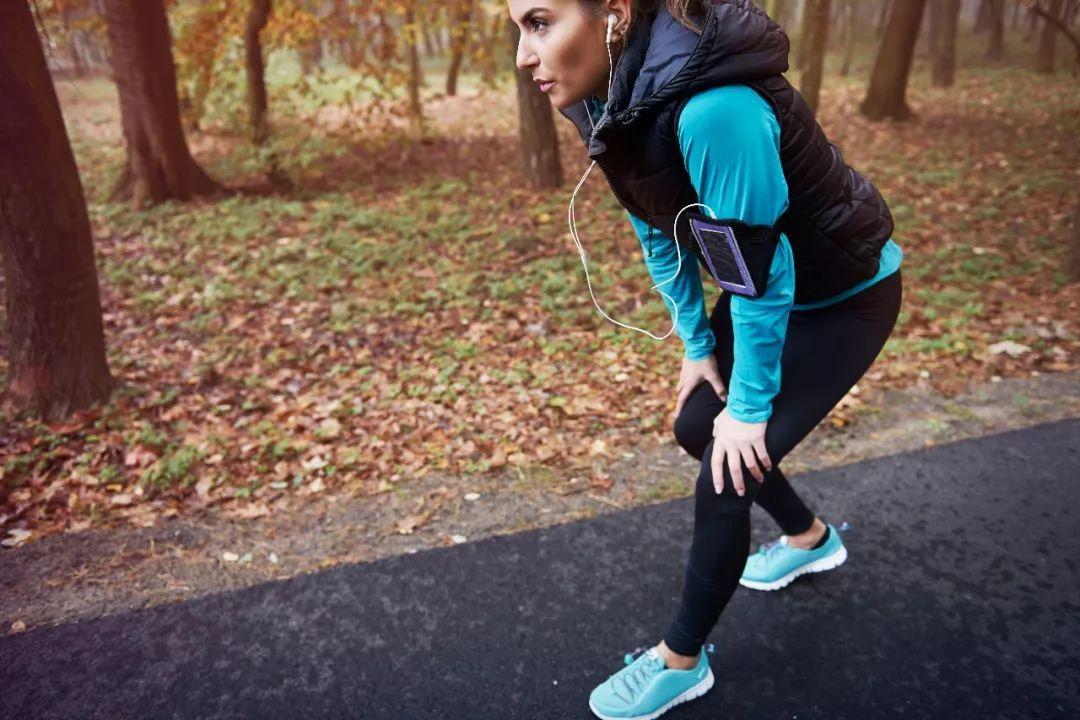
[681, 10]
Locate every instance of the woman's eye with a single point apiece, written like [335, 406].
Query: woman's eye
[534, 21]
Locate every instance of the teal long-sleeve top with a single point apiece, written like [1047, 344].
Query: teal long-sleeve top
[730, 142]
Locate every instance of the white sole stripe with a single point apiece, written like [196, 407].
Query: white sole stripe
[689, 694]
[826, 563]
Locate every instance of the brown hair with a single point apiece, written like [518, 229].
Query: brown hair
[681, 10]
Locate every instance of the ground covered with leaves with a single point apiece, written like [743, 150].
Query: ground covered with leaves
[411, 306]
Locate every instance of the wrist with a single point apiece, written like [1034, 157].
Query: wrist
[696, 354]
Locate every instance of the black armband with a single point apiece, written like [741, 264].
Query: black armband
[738, 255]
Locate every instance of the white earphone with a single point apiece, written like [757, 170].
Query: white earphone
[611, 20]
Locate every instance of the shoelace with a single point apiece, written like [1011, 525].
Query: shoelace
[770, 548]
[636, 676]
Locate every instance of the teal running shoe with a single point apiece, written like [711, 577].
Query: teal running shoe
[646, 688]
[776, 564]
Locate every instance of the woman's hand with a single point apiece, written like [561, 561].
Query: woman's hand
[694, 372]
[735, 439]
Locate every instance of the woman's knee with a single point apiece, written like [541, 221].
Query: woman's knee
[692, 433]
[727, 501]
[693, 426]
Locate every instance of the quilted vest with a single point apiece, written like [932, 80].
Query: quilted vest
[836, 221]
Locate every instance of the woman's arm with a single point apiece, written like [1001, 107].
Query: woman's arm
[661, 257]
[730, 141]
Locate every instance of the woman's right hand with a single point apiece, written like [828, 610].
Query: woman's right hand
[694, 372]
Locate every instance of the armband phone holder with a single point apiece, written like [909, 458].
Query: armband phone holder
[738, 254]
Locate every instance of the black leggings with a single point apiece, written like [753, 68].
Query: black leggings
[825, 352]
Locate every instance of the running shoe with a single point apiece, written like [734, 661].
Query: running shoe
[646, 688]
[776, 563]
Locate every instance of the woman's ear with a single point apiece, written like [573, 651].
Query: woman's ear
[621, 11]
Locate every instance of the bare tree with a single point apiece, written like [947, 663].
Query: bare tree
[932, 28]
[851, 27]
[1044, 61]
[258, 16]
[1074, 247]
[159, 166]
[1059, 24]
[816, 30]
[57, 342]
[883, 15]
[888, 81]
[996, 49]
[459, 40]
[416, 111]
[943, 72]
[539, 143]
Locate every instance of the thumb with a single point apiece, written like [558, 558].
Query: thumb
[718, 386]
[679, 402]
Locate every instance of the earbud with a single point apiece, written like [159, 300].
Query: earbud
[612, 18]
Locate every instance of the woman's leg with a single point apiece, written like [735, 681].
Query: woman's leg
[693, 431]
[854, 330]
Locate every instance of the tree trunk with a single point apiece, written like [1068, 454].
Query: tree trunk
[882, 17]
[208, 28]
[539, 142]
[1072, 9]
[889, 78]
[1074, 247]
[383, 38]
[1044, 61]
[490, 36]
[802, 49]
[258, 16]
[1032, 24]
[259, 125]
[459, 40]
[983, 13]
[415, 109]
[311, 56]
[943, 71]
[159, 165]
[850, 31]
[427, 20]
[816, 39]
[777, 10]
[933, 29]
[57, 342]
[78, 67]
[996, 49]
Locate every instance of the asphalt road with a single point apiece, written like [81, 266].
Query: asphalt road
[960, 599]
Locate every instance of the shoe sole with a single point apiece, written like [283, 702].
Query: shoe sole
[826, 563]
[696, 691]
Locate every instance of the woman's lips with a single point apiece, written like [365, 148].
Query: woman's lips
[545, 86]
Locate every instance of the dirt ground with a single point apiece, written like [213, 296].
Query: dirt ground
[82, 575]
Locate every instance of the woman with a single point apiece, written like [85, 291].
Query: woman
[683, 102]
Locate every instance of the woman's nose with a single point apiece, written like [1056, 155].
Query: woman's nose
[525, 58]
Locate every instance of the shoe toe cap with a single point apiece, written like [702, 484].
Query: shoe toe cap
[604, 699]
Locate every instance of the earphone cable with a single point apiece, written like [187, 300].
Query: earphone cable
[577, 241]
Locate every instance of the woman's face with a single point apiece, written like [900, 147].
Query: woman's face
[563, 44]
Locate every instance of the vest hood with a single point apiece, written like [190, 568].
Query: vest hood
[664, 60]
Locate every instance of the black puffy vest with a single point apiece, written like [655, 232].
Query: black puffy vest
[836, 221]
